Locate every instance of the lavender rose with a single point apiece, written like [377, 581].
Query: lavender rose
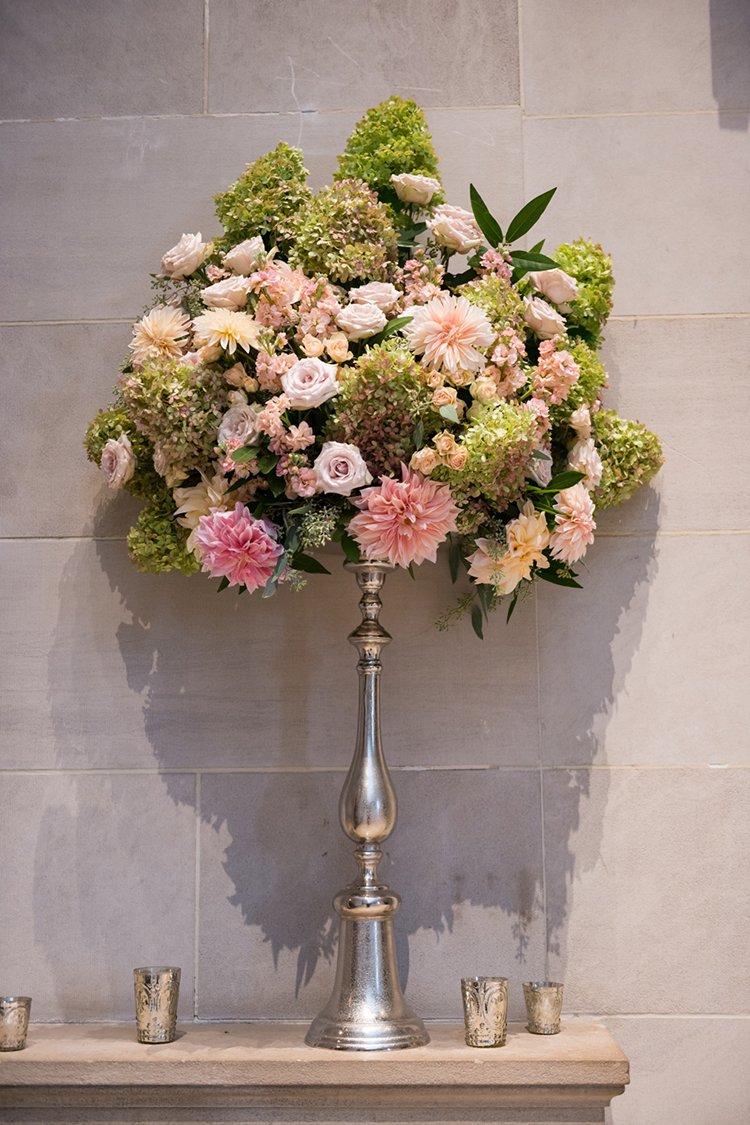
[340, 468]
[309, 383]
[118, 461]
[240, 423]
[184, 258]
[361, 320]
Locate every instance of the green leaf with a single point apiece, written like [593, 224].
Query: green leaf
[454, 552]
[476, 620]
[247, 453]
[223, 584]
[450, 413]
[242, 590]
[308, 564]
[511, 607]
[410, 569]
[276, 484]
[529, 215]
[291, 540]
[267, 461]
[391, 327]
[528, 260]
[564, 480]
[350, 548]
[537, 248]
[259, 509]
[408, 237]
[489, 227]
[558, 574]
[237, 484]
[418, 435]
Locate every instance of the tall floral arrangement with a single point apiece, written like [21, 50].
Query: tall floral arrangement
[319, 371]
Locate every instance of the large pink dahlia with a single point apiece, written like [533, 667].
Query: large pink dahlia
[575, 524]
[404, 521]
[238, 547]
[447, 332]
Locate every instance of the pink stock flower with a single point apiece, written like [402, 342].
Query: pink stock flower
[575, 524]
[238, 547]
[404, 521]
[556, 372]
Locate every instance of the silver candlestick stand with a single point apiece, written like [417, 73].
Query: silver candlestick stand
[367, 1010]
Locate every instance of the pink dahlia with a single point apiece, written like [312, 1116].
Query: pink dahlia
[404, 521]
[575, 524]
[238, 547]
[447, 331]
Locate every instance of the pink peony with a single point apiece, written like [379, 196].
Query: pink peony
[404, 521]
[238, 547]
[575, 524]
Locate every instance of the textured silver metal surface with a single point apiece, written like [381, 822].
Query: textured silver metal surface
[157, 991]
[485, 1010]
[14, 1022]
[367, 1010]
[543, 1006]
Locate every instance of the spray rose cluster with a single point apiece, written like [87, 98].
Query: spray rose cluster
[373, 365]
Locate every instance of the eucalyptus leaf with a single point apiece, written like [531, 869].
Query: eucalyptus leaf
[418, 435]
[450, 413]
[511, 607]
[555, 574]
[529, 215]
[453, 553]
[241, 456]
[276, 485]
[528, 260]
[488, 225]
[308, 564]
[476, 620]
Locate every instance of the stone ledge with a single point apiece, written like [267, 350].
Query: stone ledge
[267, 1067]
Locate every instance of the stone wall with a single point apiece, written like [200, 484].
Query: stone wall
[573, 791]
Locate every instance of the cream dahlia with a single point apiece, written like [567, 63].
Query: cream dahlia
[575, 524]
[526, 539]
[162, 332]
[226, 329]
[404, 521]
[447, 332]
[199, 501]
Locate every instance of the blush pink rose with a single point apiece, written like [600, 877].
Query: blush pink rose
[118, 461]
[184, 258]
[340, 468]
[361, 320]
[309, 383]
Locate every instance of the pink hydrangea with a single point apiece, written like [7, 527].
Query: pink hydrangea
[238, 547]
[404, 521]
[575, 524]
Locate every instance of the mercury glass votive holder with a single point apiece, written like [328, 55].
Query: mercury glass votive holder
[485, 1010]
[543, 1006]
[157, 990]
[14, 1022]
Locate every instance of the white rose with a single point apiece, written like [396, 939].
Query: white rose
[380, 293]
[184, 258]
[242, 257]
[583, 458]
[340, 468]
[118, 461]
[411, 188]
[240, 423]
[484, 389]
[557, 285]
[309, 382]
[455, 228]
[231, 293]
[360, 321]
[540, 316]
[580, 420]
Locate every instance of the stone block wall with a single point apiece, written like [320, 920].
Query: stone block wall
[573, 791]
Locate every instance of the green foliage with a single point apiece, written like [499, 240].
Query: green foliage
[500, 301]
[390, 139]
[157, 542]
[107, 426]
[592, 269]
[378, 406]
[265, 199]
[630, 453]
[345, 233]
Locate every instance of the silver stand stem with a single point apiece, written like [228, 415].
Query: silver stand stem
[367, 1010]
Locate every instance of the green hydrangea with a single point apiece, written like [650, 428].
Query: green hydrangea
[265, 199]
[592, 269]
[498, 440]
[630, 454]
[157, 542]
[180, 406]
[390, 139]
[498, 298]
[585, 392]
[345, 233]
[380, 402]
[108, 425]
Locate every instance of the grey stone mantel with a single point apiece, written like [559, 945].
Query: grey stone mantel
[263, 1072]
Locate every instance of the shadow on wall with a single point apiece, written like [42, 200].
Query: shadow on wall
[228, 682]
[730, 61]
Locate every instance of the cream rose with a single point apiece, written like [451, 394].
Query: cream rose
[240, 423]
[580, 420]
[340, 468]
[231, 293]
[484, 389]
[380, 293]
[243, 257]
[445, 443]
[337, 347]
[556, 285]
[361, 320]
[444, 396]
[584, 458]
[412, 188]
[540, 468]
[309, 383]
[312, 346]
[457, 459]
[424, 461]
[542, 318]
[118, 461]
[184, 258]
[455, 228]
